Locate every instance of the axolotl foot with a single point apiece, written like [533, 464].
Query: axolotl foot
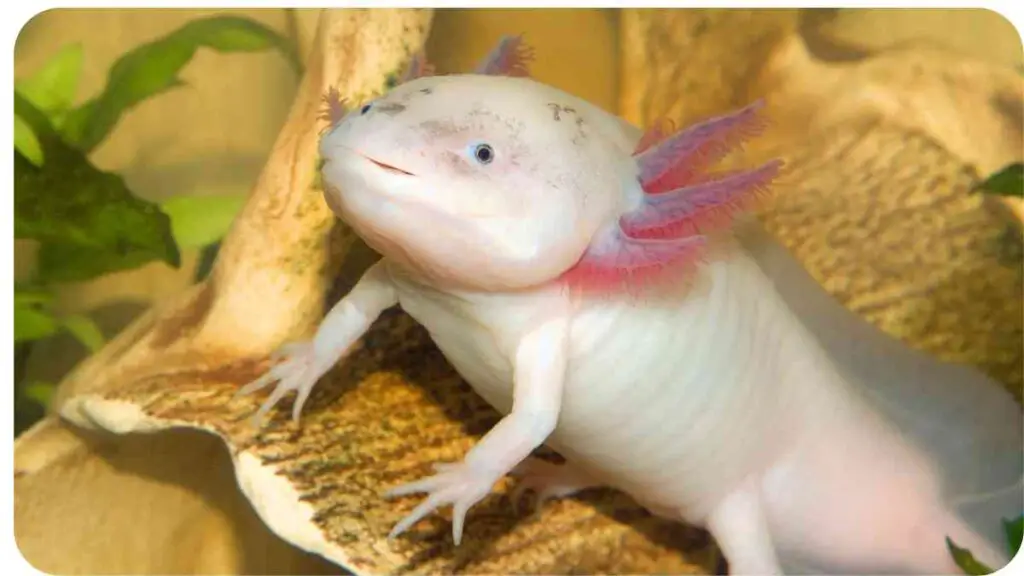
[458, 484]
[299, 369]
[551, 480]
[548, 480]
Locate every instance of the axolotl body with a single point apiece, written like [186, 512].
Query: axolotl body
[599, 286]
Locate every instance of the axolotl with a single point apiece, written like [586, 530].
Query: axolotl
[603, 289]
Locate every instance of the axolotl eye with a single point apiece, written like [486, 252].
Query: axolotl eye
[483, 153]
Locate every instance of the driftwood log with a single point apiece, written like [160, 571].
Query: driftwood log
[883, 151]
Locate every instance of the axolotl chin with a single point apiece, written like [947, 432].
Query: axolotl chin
[600, 287]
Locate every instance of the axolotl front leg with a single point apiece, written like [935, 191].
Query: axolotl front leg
[303, 363]
[539, 364]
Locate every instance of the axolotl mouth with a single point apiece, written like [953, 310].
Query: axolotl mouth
[386, 167]
[382, 165]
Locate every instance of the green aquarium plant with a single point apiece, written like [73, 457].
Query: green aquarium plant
[86, 221]
[1009, 181]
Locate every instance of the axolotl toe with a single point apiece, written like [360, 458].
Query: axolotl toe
[600, 287]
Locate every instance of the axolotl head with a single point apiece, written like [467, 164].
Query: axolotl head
[475, 181]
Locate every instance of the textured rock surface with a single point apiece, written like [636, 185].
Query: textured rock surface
[379, 419]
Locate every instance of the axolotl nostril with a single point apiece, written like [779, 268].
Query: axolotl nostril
[599, 286]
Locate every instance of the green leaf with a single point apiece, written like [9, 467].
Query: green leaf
[28, 296]
[52, 88]
[153, 68]
[88, 221]
[77, 262]
[200, 220]
[966, 561]
[1007, 182]
[25, 141]
[1014, 530]
[233, 34]
[32, 323]
[39, 392]
[84, 330]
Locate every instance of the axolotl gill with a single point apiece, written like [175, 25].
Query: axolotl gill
[601, 288]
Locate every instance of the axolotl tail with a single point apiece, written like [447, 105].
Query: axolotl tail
[960, 418]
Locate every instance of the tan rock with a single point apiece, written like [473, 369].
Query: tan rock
[95, 503]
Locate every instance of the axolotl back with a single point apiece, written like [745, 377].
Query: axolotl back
[533, 235]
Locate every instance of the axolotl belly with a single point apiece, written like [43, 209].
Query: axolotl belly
[597, 286]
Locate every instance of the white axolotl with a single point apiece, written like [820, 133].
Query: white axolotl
[591, 283]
